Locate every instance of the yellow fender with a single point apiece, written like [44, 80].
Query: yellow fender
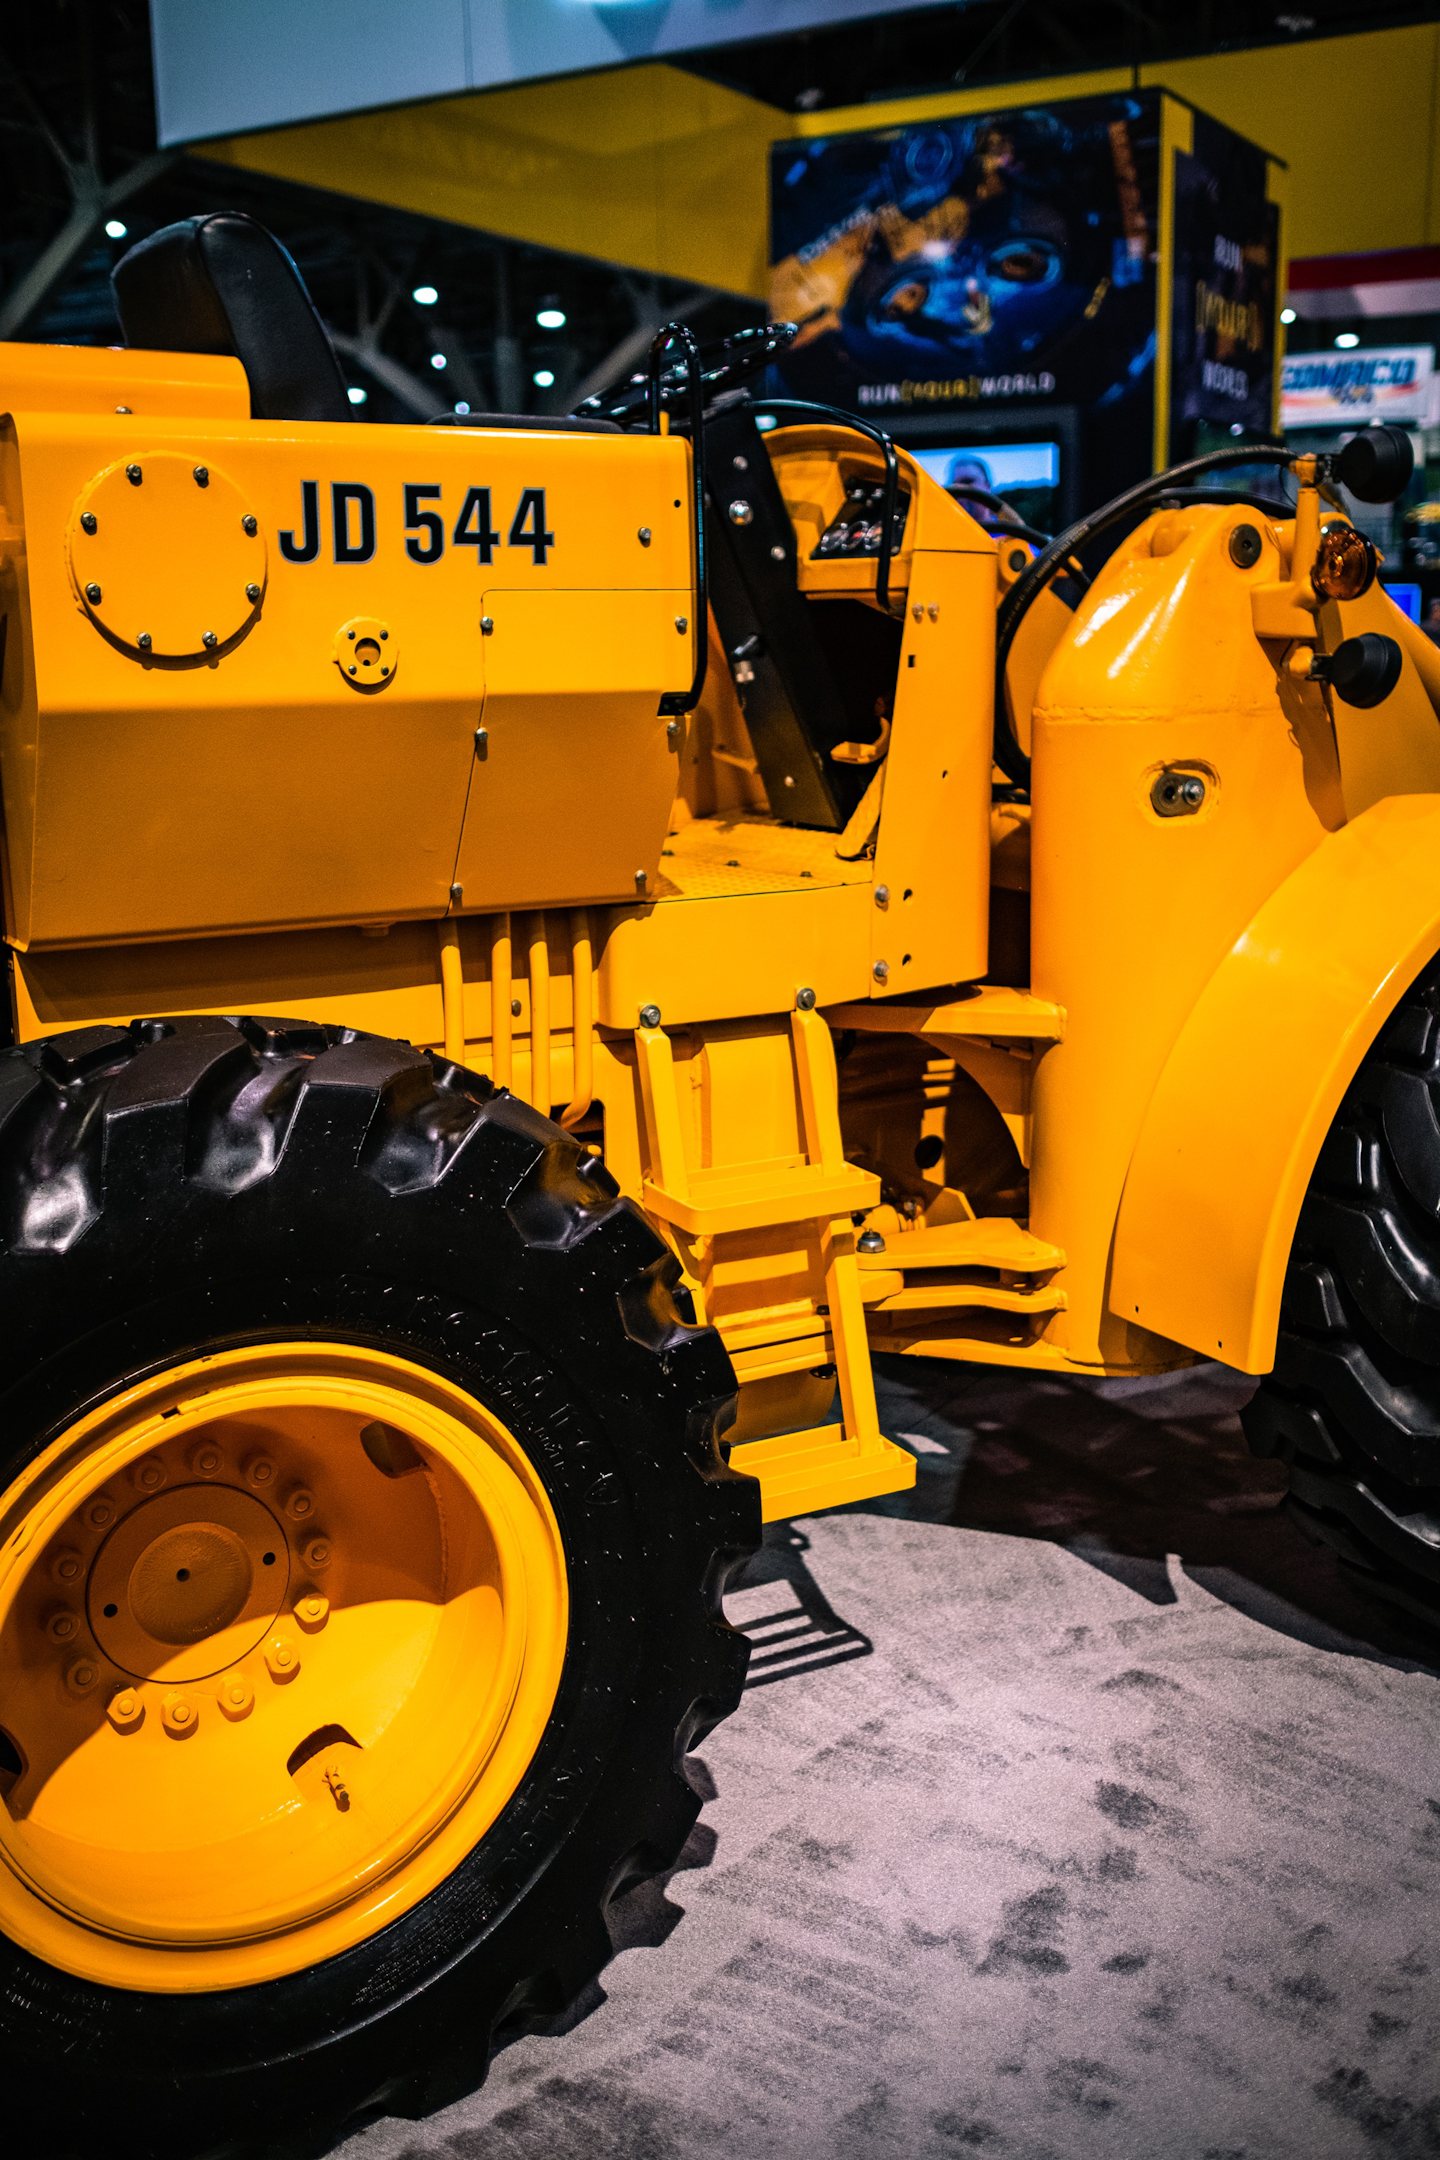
[1247, 1096]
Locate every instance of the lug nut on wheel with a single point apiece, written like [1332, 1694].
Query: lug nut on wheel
[282, 1660]
[236, 1697]
[312, 1610]
[180, 1717]
[125, 1711]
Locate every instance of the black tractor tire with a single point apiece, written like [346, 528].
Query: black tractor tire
[181, 1186]
[1353, 1403]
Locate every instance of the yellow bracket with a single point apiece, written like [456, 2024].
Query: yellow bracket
[830, 1464]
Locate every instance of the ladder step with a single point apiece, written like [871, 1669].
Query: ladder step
[802, 1471]
[992, 1241]
[756, 1199]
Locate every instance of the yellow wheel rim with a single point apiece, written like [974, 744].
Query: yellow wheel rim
[280, 1631]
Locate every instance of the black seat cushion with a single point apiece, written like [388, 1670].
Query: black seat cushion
[223, 284]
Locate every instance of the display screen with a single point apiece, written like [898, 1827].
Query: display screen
[1407, 599]
[1026, 474]
[1002, 258]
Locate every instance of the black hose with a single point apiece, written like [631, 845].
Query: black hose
[1051, 560]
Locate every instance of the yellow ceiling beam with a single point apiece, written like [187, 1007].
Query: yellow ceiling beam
[656, 169]
[647, 166]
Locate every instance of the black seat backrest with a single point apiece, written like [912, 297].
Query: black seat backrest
[223, 284]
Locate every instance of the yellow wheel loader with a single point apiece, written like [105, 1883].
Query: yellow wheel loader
[536, 948]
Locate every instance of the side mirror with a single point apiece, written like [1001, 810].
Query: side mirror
[1375, 465]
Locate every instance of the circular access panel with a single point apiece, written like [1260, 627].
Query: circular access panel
[167, 556]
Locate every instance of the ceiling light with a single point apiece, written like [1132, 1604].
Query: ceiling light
[551, 318]
[114, 229]
[356, 395]
[1287, 314]
[543, 379]
[1345, 340]
[425, 296]
[437, 359]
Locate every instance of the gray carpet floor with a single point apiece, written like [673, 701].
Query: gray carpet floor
[1028, 1840]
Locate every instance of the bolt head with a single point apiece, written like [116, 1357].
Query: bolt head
[149, 1474]
[100, 1512]
[487, 625]
[202, 476]
[93, 595]
[179, 1716]
[1193, 792]
[805, 1000]
[682, 623]
[258, 1472]
[249, 526]
[777, 554]
[125, 1710]
[205, 1459]
[870, 1241]
[318, 1553]
[882, 896]
[88, 522]
[134, 475]
[881, 971]
[918, 611]
[143, 641]
[82, 1675]
[740, 512]
[252, 592]
[672, 732]
[282, 1660]
[66, 1566]
[209, 641]
[643, 536]
[236, 1697]
[63, 1627]
[312, 1610]
[649, 1016]
[741, 463]
[299, 1503]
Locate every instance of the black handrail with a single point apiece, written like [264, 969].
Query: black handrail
[889, 502]
[677, 703]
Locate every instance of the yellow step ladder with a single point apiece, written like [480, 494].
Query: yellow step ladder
[830, 1464]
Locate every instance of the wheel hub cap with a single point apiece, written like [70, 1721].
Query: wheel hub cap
[358, 1646]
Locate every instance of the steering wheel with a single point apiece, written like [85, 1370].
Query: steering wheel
[725, 364]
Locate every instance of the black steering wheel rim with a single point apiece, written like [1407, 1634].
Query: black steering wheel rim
[725, 363]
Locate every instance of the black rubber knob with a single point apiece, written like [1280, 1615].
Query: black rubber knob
[1364, 670]
[1376, 464]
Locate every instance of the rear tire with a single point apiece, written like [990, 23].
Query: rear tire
[1353, 1404]
[188, 1188]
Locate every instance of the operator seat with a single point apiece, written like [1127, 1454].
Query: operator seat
[223, 284]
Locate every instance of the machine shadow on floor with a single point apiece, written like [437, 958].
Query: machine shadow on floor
[1121, 1473]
